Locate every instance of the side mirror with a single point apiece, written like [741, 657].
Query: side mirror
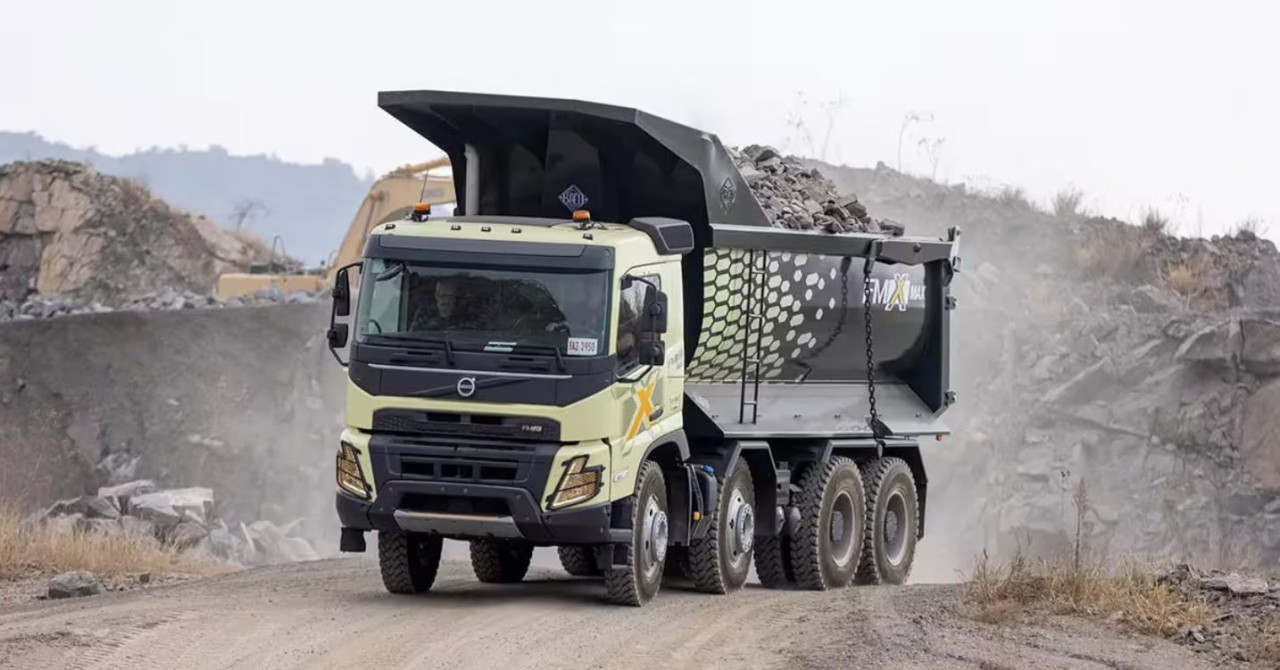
[337, 335]
[652, 352]
[340, 333]
[342, 293]
[656, 313]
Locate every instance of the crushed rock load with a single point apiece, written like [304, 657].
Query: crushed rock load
[799, 197]
[67, 230]
[45, 307]
[185, 518]
[1248, 610]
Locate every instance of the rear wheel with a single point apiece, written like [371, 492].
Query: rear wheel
[408, 561]
[827, 545]
[719, 562]
[892, 522]
[578, 560]
[773, 562]
[636, 582]
[500, 561]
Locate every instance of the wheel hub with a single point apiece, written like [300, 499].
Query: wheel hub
[895, 528]
[655, 533]
[742, 524]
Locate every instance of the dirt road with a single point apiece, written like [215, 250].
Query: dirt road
[334, 614]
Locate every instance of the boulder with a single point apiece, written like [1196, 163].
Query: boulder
[1148, 299]
[1219, 345]
[187, 534]
[1085, 386]
[168, 508]
[74, 585]
[91, 507]
[1236, 585]
[1261, 346]
[128, 489]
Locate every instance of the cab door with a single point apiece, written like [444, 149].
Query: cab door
[650, 395]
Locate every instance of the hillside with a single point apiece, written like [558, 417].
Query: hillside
[308, 206]
[1112, 378]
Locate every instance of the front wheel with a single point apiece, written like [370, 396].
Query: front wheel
[500, 561]
[638, 581]
[408, 561]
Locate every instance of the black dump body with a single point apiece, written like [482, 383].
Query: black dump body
[544, 157]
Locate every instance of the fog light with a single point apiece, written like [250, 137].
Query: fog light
[350, 476]
[578, 483]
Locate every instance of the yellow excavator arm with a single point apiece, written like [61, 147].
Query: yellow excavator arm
[391, 197]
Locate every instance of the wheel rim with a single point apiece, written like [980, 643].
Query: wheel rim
[654, 535]
[895, 528]
[843, 532]
[741, 518]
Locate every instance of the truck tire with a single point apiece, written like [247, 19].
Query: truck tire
[892, 522]
[638, 581]
[720, 561]
[773, 562]
[500, 561]
[408, 561]
[578, 560]
[827, 545]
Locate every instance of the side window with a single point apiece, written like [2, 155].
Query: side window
[631, 303]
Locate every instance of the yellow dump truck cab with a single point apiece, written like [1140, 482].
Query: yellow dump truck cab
[519, 398]
[613, 352]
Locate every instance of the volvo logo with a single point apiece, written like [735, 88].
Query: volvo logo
[466, 386]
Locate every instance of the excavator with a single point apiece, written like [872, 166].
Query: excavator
[391, 197]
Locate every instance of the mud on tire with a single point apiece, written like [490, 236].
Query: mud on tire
[720, 561]
[500, 561]
[827, 545]
[892, 522]
[578, 560]
[408, 561]
[636, 582]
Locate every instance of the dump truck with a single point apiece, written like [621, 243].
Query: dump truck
[609, 349]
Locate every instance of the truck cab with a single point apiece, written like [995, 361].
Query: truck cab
[638, 390]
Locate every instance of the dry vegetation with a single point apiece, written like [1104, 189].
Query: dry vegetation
[1067, 202]
[1132, 594]
[25, 548]
[1111, 252]
[1188, 278]
[1154, 221]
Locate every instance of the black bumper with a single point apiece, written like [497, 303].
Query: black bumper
[423, 486]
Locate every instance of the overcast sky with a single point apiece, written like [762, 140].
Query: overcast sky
[1144, 103]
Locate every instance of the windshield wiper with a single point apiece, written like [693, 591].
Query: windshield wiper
[544, 347]
[445, 341]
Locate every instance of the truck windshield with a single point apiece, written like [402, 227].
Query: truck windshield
[483, 309]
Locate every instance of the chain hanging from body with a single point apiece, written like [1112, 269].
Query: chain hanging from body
[874, 418]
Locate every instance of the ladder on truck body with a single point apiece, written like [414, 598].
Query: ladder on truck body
[751, 330]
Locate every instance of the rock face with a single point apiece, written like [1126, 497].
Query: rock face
[74, 585]
[67, 230]
[184, 518]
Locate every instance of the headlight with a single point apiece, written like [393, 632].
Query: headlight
[578, 483]
[350, 476]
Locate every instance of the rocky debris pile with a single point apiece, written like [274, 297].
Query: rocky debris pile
[1246, 621]
[799, 197]
[74, 585]
[67, 230]
[183, 518]
[45, 307]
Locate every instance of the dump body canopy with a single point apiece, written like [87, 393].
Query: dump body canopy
[546, 157]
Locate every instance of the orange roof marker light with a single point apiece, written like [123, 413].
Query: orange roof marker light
[421, 210]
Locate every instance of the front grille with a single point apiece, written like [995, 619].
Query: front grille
[456, 469]
[454, 424]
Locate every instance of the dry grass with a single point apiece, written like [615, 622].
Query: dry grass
[1067, 202]
[1250, 228]
[1013, 196]
[1188, 278]
[1112, 252]
[1154, 221]
[58, 547]
[997, 592]
[1264, 647]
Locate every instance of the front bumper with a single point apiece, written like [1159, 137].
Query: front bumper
[470, 489]
[591, 525]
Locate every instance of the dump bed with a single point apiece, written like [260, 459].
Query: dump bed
[776, 338]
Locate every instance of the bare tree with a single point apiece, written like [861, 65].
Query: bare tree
[247, 210]
[932, 148]
[911, 119]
